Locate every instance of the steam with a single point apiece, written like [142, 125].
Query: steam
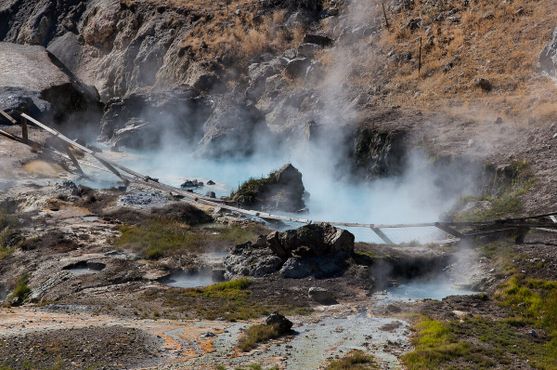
[415, 196]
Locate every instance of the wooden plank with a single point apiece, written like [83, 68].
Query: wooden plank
[382, 235]
[449, 230]
[8, 117]
[74, 160]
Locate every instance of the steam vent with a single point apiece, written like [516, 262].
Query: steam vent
[278, 184]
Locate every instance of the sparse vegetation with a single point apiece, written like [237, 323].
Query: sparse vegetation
[434, 344]
[7, 226]
[355, 360]
[256, 334]
[229, 300]
[506, 202]
[21, 290]
[529, 335]
[160, 237]
[247, 192]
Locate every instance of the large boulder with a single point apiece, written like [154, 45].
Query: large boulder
[282, 190]
[548, 56]
[143, 119]
[33, 81]
[232, 128]
[319, 250]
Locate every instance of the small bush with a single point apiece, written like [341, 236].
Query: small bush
[257, 334]
[355, 360]
[21, 290]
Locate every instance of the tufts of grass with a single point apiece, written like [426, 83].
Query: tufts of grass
[21, 291]
[256, 334]
[354, 360]
[160, 237]
[8, 224]
[534, 302]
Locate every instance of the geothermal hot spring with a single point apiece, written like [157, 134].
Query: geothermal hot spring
[412, 197]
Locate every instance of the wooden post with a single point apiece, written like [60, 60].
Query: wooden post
[74, 160]
[24, 130]
[8, 117]
[382, 235]
[420, 56]
[385, 15]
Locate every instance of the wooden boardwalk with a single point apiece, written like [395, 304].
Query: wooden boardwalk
[459, 230]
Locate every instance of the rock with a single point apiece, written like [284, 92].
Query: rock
[284, 325]
[67, 49]
[281, 190]
[211, 182]
[183, 212]
[321, 295]
[318, 250]
[295, 268]
[258, 74]
[191, 184]
[484, 84]
[33, 81]
[141, 120]
[378, 153]
[308, 50]
[414, 24]
[548, 56]
[297, 67]
[211, 194]
[231, 129]
[320, 40]
[250, 260]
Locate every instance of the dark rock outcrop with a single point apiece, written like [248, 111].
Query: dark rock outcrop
[141, 120]
[377, 153]
[33, 81]
[312, 250]
[548, 57]
[281, 190]
[281, 322]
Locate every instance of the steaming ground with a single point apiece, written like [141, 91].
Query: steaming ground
[412, 197]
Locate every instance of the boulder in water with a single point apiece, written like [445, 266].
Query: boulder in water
[319, 250]
[282, 190]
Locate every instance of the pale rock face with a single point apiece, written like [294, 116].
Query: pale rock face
[548, 57]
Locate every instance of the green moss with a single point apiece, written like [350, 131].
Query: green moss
[434, 344]
[256, 334]
[162, 237]
[481, 342]
[535, 299]
[355, 360]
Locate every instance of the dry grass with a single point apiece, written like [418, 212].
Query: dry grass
[499, 41]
